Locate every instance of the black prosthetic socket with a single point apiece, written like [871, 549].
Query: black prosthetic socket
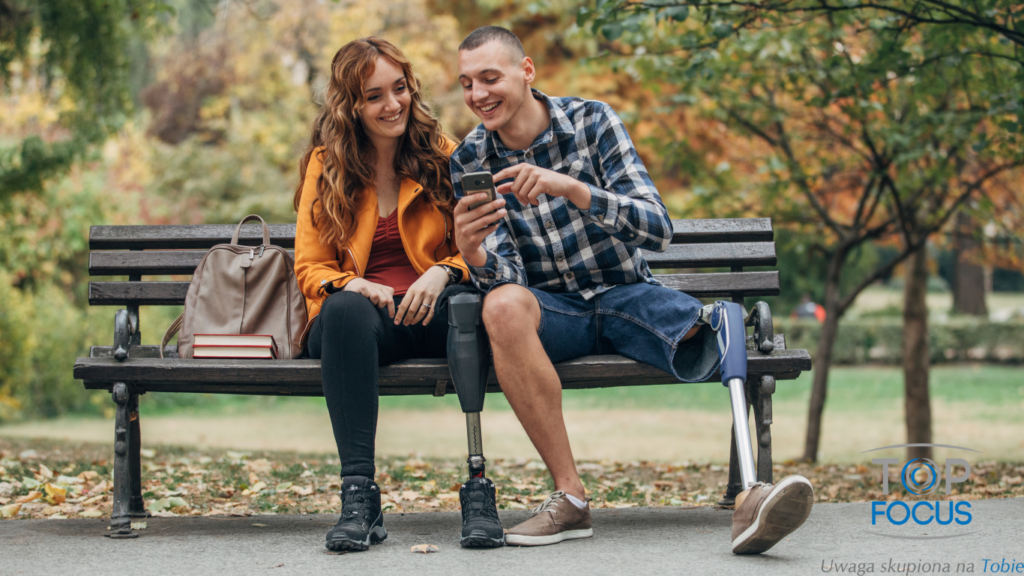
[469, 356]
[469, 360]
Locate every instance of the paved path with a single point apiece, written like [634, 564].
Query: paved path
[627, 542]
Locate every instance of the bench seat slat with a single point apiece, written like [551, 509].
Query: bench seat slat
[698, 285]
[203, 236]
[160, 262]
[302, 377]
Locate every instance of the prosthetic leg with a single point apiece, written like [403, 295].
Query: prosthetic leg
[765, 514]
[726, 319]
[469, 361]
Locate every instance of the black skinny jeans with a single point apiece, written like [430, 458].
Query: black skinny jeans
[352, 337]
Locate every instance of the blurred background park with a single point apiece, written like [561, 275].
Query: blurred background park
[884, 141]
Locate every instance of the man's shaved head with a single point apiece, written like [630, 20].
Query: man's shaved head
[486, 34]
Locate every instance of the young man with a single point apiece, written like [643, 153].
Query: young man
[559, 259]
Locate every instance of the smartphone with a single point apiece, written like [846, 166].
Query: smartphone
[475, 182]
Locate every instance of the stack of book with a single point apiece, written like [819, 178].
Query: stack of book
[234, 346]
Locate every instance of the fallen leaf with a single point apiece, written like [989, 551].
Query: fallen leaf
[54, 494]
[10, 511]
[30, 483]
[257, 487]
[423, 549]
[138, 525]
[302, 490]
[91, 513]
[88, 475]
[260, 525]
[147, 453]
[45, 472]
[259, 466]
[283, 486]
[29, 497]
[409, 495]
[100, 488]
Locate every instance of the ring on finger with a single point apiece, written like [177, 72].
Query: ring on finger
[425, 305]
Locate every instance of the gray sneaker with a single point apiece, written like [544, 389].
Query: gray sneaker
[555, 520]
[766, 514]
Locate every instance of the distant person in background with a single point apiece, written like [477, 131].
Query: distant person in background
[808, 309]
[374, 254]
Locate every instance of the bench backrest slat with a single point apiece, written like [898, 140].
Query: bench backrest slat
[204, 236]
[156, 262]
[698, 285]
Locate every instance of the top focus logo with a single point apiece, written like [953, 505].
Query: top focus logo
[922, 477]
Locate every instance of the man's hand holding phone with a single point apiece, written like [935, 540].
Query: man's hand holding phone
[473, 225]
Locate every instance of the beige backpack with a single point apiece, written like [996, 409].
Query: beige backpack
[243, 290]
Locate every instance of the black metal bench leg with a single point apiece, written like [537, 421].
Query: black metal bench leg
[735, 484]
[136, 506]
[120, 516]
[763, 425]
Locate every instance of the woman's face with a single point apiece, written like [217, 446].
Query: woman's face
[387, 100]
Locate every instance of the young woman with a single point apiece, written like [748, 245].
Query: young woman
[374, 254]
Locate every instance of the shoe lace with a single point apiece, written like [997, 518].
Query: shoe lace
[550, 502]
[477, 506]
[356, 503]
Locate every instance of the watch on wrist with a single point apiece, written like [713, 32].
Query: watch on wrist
[454, 274]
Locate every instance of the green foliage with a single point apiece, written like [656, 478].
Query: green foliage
[45, 322]
[41, 332]
[44, 236]
[881, 340]
[77, 50]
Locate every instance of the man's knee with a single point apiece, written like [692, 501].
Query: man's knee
[509, 309]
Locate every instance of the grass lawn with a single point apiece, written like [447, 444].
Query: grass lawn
[999, 389]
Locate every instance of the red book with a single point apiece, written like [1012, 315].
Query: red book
[234, 346]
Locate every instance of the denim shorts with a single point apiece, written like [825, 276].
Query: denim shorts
[639, 321]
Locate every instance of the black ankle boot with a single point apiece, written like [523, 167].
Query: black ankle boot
[480, 525]
[362, 522]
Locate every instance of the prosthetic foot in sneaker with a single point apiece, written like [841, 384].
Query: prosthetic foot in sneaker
[766, 514]
[362, 522]
[480, 525]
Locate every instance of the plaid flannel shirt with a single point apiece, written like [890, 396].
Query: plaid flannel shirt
[555, 246]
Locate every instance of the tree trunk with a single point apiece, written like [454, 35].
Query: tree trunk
[915, 355]
[823, 359]
[968, 277]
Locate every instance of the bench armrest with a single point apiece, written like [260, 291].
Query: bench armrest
[760, 317]
[123, 330]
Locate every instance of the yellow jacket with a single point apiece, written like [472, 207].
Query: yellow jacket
[424, 231]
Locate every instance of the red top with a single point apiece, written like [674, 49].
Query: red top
[388, 263]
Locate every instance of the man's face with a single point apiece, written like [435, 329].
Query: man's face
[494, 85]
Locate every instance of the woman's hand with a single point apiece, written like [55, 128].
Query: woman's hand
[419, 300]
[381, 295]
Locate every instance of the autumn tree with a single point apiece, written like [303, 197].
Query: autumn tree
[863, 131]
[75, 51]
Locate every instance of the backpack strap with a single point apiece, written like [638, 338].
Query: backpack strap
[171, 331]
[238, 229]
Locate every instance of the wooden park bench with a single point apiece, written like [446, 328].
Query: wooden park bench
[128, 369]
